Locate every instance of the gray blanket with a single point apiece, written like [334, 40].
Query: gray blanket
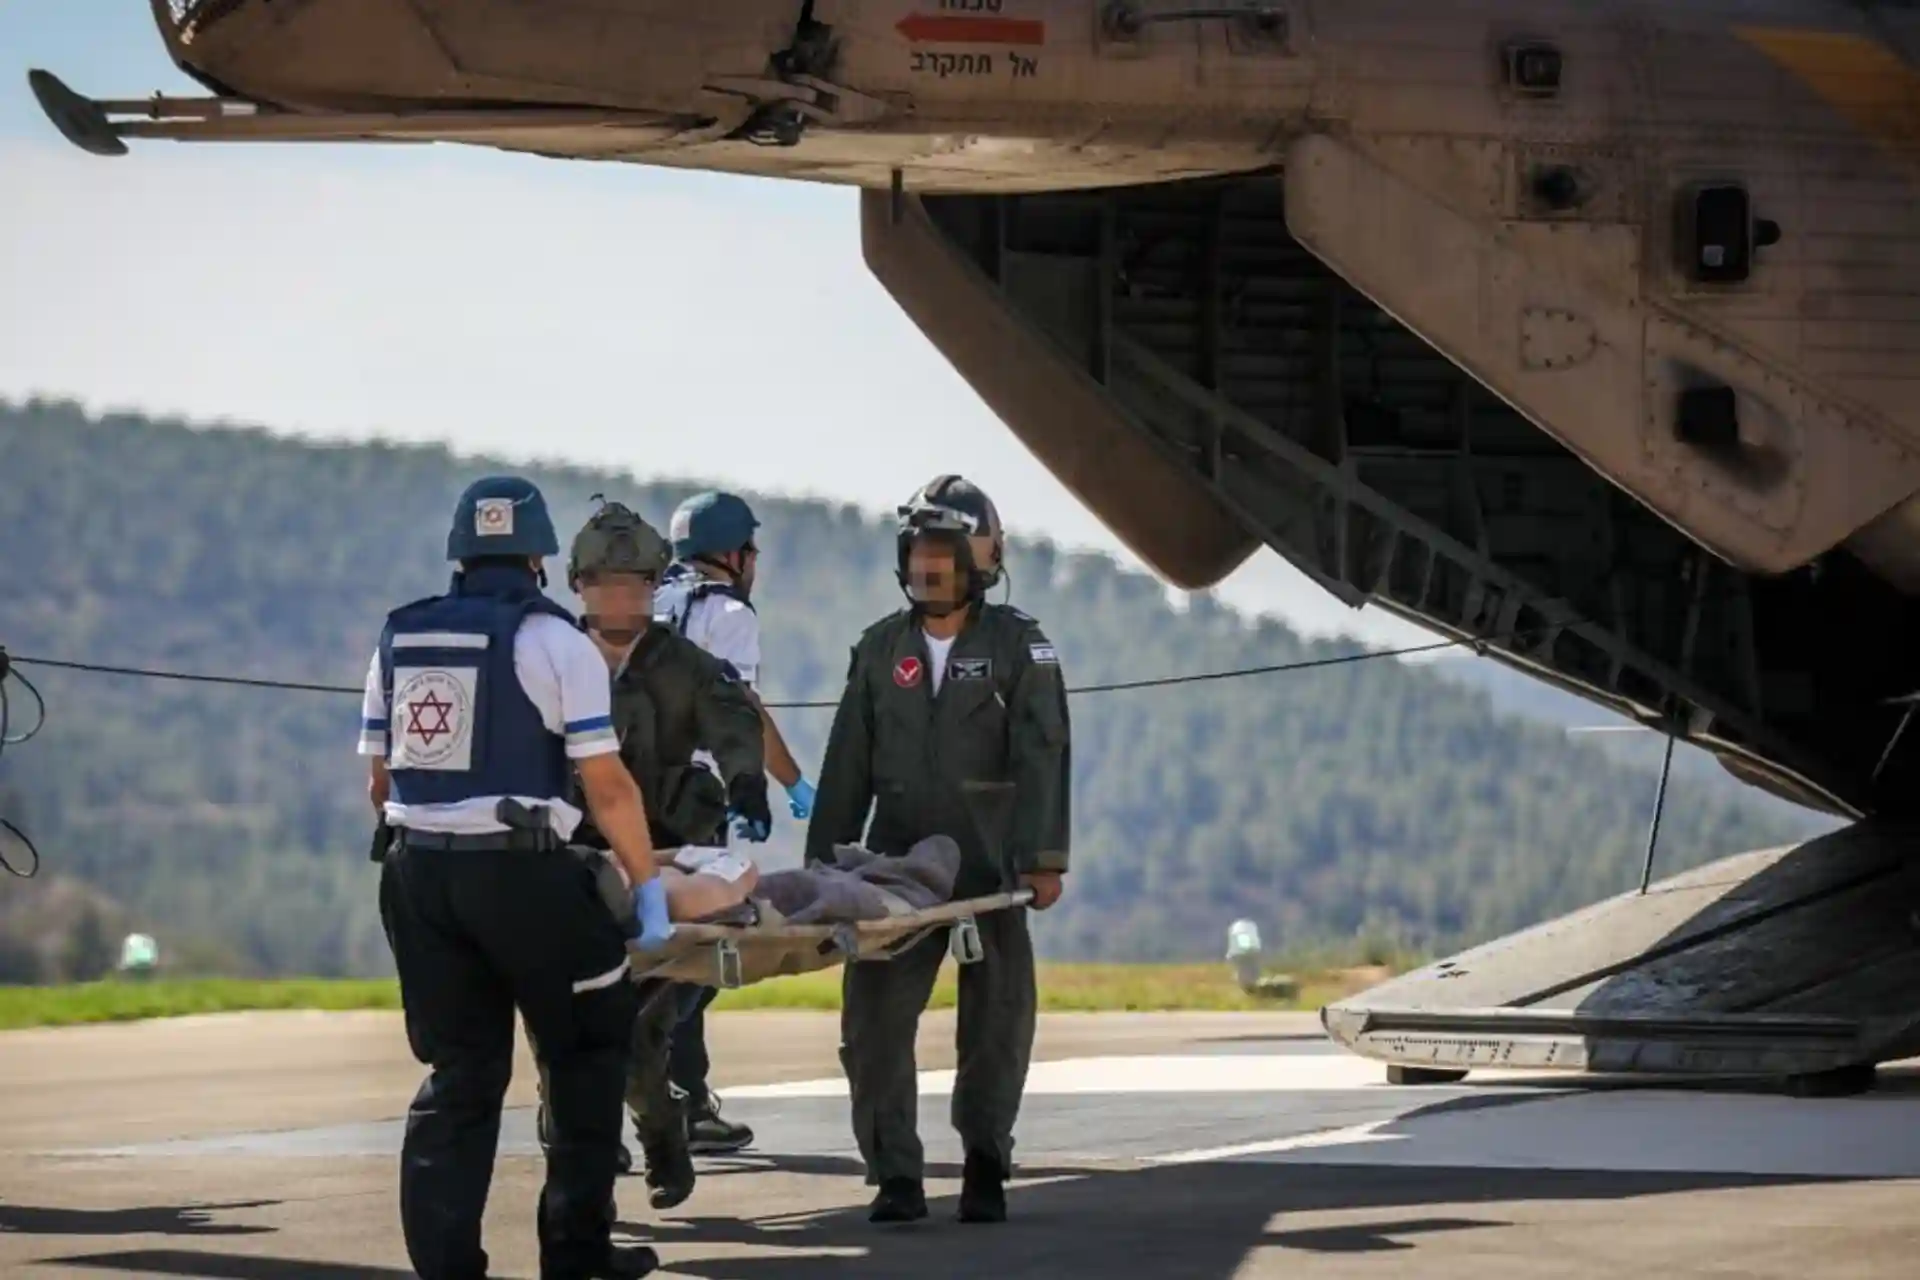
[858, 883]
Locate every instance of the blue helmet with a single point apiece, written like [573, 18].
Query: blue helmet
[711, 524]
[501, 516]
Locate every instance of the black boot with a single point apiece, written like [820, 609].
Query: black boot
[619, 1262]
[983, 1192]
[670, 1174]
[708, 1134]
[900, 1200]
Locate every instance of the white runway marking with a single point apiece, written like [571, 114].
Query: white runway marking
[1199, 1073]
[1622, 1131]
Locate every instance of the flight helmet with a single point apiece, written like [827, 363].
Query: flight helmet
[954, 509]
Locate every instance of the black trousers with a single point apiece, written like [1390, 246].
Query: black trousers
[475, 935]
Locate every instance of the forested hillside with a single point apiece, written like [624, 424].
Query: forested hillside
[1374, 798]
[1517, 694]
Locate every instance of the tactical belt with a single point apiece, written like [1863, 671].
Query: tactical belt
[487, 842]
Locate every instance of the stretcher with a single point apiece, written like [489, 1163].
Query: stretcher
[760, 945]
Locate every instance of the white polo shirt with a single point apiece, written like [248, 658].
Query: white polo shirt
[727, 628]
[565, 678]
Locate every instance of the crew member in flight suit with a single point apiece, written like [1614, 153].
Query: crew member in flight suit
[951, 689]
[671, 699]
[706, 597]
[476, 701]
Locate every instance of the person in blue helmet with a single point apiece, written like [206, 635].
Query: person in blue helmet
[480, 705]
[706, 596]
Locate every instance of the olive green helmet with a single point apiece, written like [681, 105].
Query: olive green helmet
[615, 540]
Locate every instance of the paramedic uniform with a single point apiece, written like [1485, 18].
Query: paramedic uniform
[715, 616]
[478, 699]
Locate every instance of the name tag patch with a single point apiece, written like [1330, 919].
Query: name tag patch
[1042, 653]
[970, 669]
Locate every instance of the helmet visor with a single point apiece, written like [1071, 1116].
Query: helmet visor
[927, 517]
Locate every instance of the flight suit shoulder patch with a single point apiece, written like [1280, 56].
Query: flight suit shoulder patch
[1027, 635]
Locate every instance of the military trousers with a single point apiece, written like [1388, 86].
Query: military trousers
[476, 933]
[688, 1062]
[881, 1004]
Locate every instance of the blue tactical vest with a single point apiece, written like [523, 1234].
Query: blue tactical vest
[681, 588]
[460, 726]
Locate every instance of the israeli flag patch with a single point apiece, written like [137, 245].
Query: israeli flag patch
[1042, 653]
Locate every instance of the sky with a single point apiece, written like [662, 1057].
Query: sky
[680, 325]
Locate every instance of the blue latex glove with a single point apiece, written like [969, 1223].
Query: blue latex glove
[650, 907]
[800, 798]
[747, 828]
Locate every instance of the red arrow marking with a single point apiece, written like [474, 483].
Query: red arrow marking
[948, 29]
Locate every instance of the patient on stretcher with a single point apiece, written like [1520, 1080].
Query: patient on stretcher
[719, 886]
[706, 882]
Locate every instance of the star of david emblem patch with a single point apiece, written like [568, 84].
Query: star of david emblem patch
[433, 711]
[428, 717]
[493, 517]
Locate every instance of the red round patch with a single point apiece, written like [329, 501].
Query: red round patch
[906, 672]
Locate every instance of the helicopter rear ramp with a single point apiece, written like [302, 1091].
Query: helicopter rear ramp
[1801, 963]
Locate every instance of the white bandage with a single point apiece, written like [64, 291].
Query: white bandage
[712, 862]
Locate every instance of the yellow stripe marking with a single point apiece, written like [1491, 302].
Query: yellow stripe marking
[1866, 82]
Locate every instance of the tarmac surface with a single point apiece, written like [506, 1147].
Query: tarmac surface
[263, 1147]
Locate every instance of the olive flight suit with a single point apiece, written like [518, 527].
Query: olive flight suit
[671, 698]
[901, 751]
